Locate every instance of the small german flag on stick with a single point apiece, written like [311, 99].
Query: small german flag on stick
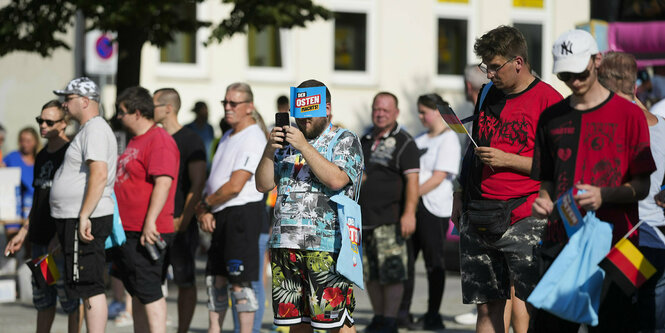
[627, 266]
[44, 271]
[453, 121]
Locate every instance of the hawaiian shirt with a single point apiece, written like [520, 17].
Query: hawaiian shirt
[305, 217]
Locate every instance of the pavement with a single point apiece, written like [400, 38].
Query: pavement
[19, 316]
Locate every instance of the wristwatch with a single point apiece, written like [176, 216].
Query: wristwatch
[206, 205]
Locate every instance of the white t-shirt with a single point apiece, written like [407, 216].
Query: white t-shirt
[649, 211]
[94, 142]
[658, 108]
[240, 151]
[440, 153]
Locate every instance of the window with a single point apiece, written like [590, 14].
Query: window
[183, 48]
[264, 47]
[452, 40]
[534, 41]
[350, 41]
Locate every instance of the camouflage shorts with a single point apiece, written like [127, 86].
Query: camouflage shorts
[385, 254]
[306, 288]
[487, 266]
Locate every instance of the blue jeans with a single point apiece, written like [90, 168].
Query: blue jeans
[258, 289]
[651, 295]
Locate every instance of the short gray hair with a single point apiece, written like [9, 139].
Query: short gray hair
[473, 75]
[242, 87]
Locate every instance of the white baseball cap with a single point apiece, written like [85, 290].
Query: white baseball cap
[572, 51]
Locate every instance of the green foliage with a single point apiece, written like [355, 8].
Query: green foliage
[39, 25]
[266, 13]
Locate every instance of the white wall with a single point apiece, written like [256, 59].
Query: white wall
[27, 82]
[401, 57]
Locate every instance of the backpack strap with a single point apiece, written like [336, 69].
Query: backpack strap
[483, 94]
[329, 157]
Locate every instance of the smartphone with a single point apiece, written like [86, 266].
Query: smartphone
[282, 119]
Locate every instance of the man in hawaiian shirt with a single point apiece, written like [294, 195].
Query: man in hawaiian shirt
[305, 241]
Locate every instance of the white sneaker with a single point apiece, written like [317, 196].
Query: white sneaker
[468, 318]
[124, 319]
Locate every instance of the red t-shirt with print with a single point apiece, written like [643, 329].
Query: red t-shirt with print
[604, 146]
[508, 123]
[151, 154]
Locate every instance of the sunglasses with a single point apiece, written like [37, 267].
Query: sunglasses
[232, 103]
[48, 122]
[568, 76]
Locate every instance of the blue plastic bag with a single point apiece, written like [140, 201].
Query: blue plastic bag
[350, 259]
[571, 287]
[117, 236]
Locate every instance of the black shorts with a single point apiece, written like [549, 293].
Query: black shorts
[234, 249]
[181, 255]
[91, 256]
[141, 276]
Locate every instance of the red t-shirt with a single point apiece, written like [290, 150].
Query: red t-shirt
[151, 154]
[604, 146]
[508, 123]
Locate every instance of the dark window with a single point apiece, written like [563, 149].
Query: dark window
[534, 41]
[350, 41]
[183, 48]
[264, 47]
[452, 47]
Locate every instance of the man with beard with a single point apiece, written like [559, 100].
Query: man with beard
[596, 141]
[307, 290]
[233, 211]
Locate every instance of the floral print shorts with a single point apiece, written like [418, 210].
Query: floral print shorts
[306, 288]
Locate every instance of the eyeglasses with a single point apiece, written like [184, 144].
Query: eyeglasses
[490, 70]
[232, 103]
[48, 122]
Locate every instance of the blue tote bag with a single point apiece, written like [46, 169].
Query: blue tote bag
[350, 259]
[571, 287]
[117, 236]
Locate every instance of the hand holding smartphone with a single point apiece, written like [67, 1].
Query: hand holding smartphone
[281, 120]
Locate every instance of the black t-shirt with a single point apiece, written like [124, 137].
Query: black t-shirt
[42, 226]
[191, 149]
[388, 159]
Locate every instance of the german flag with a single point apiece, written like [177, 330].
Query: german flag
[626, 266]
[44, 271]
[451, 119]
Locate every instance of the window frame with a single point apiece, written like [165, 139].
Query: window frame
[454, 11]
[542, 16]
[356, 78]
[198, 69]
[285, 73]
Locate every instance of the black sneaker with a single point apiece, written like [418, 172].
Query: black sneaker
[433, 322]
[389, 326]
[375, 325]
[409, 323]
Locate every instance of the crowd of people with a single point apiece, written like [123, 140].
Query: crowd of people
[281, 188]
